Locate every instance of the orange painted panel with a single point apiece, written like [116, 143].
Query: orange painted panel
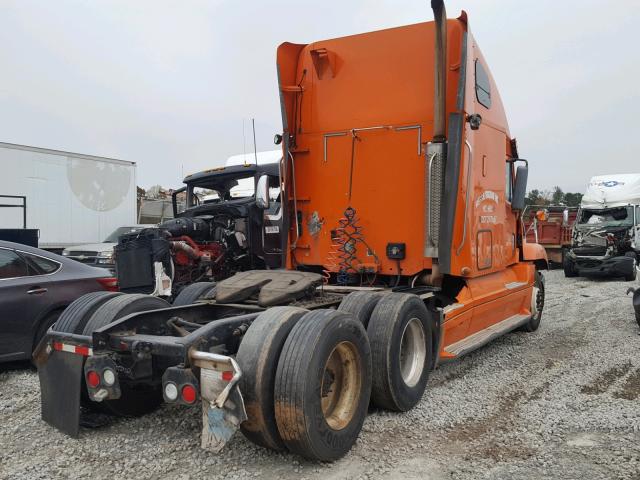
[381, 82]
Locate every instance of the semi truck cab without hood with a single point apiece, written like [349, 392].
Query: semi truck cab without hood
[220, 231]
[402, 193]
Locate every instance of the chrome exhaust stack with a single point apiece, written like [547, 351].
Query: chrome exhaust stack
[440, 94]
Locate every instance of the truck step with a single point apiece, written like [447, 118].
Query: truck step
[483, 337]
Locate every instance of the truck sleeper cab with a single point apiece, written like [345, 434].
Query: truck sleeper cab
[402, 194]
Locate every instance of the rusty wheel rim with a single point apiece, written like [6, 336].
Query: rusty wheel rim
[341, 385]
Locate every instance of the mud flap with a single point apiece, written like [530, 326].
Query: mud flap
[219, 424]
[60, 383]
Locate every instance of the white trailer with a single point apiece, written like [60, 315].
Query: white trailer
[71, 198]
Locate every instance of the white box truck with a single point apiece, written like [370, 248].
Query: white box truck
[70, 198]
[606, 234]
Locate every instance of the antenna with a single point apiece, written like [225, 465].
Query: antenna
[255, 151]
[244, 145]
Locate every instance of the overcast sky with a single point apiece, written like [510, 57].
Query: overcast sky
[168, 84]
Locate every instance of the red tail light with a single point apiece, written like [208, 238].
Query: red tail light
[109, 283]
[93, 379]
[189, 393]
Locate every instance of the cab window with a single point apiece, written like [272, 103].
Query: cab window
[483, 86]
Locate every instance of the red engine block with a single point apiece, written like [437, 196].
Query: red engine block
[188, 252]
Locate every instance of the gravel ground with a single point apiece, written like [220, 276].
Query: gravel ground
[558, 403]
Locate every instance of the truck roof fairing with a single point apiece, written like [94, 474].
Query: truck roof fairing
[217, 174]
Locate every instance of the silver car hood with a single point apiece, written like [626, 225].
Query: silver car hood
[91, 247]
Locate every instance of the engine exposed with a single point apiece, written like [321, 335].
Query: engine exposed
[220, 230]
[209, 247]
[182, 251]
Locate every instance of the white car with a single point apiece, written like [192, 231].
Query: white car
[100, 254]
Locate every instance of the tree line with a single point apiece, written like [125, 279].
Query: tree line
[555, 196]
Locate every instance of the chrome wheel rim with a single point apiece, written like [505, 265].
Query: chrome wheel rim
[413, 352]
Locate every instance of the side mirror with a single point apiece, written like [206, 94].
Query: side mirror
[565, 216]
[262, 192]
[520, 188]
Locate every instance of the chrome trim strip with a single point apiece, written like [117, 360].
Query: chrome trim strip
[466, 200]
[414, 127]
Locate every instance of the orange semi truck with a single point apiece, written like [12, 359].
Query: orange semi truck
[403, 240]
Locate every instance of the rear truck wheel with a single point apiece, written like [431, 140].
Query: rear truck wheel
[74, 318]
[120, 306]
[258, 359]
[537, 304]
[323, 385]
[631, 276]
[400, 332]
[569, 267]
[361, 305]
[192, 293]
[135, 400]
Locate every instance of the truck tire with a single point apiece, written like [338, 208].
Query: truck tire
[569, 267]
[136, 400]
[361, 305]
[533, 324]
[121, 306]
[191, 293]
[258, 359]
[323, 385]
[400, 332]
[74, 318]
[631, 276]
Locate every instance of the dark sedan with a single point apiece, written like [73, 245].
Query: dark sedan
[35, 286]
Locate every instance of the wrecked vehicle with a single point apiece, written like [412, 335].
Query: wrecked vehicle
[375, 294]
[220, 232]
[606, 235]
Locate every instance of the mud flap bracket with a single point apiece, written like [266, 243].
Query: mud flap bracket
[223, 407]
